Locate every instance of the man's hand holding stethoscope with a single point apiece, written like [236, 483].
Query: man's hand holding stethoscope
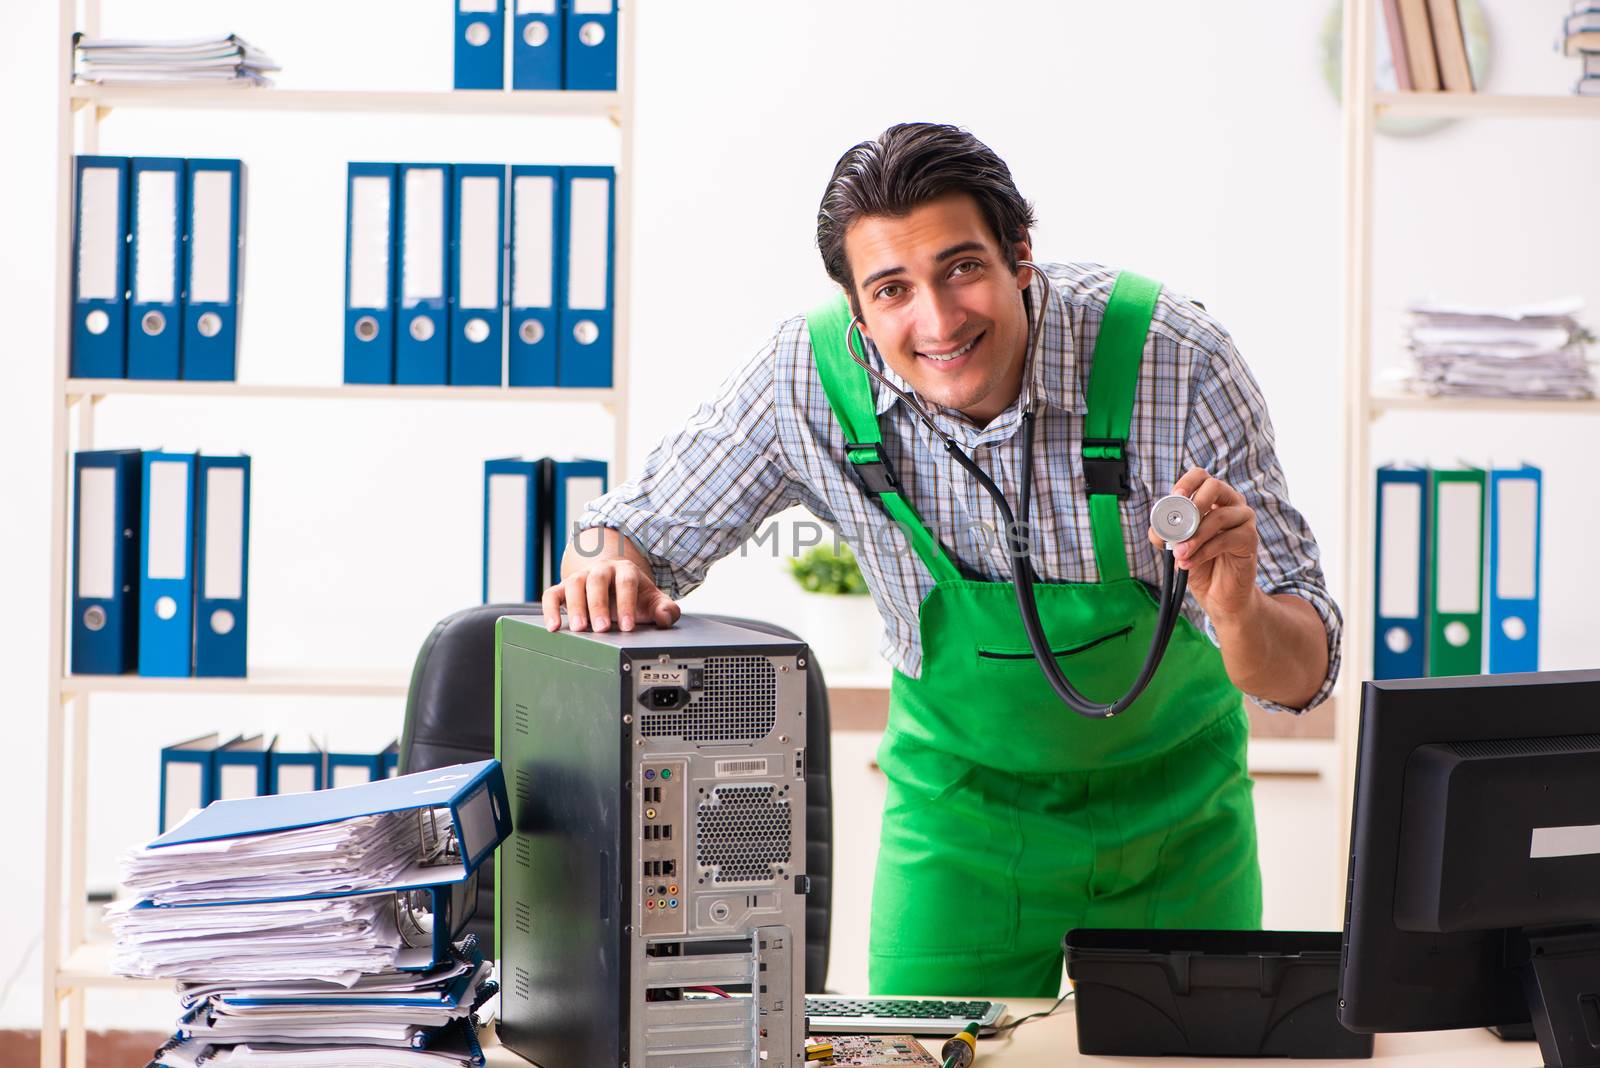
[1221, 554]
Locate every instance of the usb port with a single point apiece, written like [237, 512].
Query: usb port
[666, 831]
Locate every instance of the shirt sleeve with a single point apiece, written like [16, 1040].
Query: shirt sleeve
[1230, 435]
[706, 486]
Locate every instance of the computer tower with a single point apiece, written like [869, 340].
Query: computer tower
[657, 784]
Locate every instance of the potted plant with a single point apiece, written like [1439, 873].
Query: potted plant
[838, 618]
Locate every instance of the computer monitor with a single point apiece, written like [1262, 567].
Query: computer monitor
[1474, 895]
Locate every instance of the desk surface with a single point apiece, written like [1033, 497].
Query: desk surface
[1053, 1042]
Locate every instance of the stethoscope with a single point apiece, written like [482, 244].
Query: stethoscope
[1174, 518]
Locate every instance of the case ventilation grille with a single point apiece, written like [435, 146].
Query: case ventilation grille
[742, 833]
[739, 702]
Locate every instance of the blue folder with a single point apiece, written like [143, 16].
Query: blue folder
[1516, 497]
[156, 271]
[591, 52]
[188, 779]
[242, 769]
[105, 561]
[371, 211]
[296, 770]
[513, 532]
[166, 572]
[215, 209]
[222, 566]
[477, 253]
[536, 43]
[389, 760]
[100, 267]
[480, 44]
[588, 276]
[474, 794]
[536, 242]
[1399, 642]
[422, 338]
[573, 484]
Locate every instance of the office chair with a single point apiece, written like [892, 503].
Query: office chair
[450, 720]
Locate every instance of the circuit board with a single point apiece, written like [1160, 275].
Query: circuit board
[877, 1050]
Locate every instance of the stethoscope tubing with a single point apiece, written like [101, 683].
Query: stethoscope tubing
[1174, 581]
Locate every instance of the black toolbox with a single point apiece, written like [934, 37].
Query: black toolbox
[1209, 993]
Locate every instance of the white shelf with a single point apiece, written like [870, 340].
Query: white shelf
[1486, 106]
[89, 966]
[125, 387]
[1412, 402]
[278, 683]
[453, 102]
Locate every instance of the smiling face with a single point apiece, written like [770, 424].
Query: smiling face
[938, 300]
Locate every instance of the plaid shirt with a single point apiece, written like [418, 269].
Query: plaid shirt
[768, 440]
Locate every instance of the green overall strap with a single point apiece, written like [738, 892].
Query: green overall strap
[849, 393]
[1113, 381]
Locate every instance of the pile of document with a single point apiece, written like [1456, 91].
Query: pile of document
[320, 928]
[1538, 351]
[1580, 37]
[226, 60]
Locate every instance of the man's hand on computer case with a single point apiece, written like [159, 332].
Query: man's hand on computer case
[606, 578]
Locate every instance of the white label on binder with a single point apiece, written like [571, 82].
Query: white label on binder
[99, 234]
[532, 249]
[580, 491]
[476, 816]
[369, 241]
[97, 532]
[168, 520]
[591, 7]
[422, 266]
[224, 533]
[478, 7]
[296, 778]
[210, 248]
[508, 538]
[154, 274]
[1460, 547]
[1519, 535]
[1401, 548]
[237, 780]
[349, 775]
[183, 791]
[536, 7]
[479, 232]
[588, 244]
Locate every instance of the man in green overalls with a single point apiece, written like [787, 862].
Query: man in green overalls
[1010, 818]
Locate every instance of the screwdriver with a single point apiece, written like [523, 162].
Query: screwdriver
[960, 1051]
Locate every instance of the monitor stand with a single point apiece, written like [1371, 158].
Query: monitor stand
[1561, 978]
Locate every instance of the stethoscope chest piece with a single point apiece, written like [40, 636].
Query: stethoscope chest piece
[1175, 519]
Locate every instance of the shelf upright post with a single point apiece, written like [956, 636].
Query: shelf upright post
[623, 252]
[1360, 116]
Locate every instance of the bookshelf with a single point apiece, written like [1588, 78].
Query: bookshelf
[72, 963]
[1365, 403]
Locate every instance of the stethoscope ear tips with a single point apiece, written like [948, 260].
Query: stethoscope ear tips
[1174, 519]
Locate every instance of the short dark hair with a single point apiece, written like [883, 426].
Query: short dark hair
[905, 167]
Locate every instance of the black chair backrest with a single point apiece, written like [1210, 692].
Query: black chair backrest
[450, 719]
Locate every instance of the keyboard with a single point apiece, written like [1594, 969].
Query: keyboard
[899, 1016]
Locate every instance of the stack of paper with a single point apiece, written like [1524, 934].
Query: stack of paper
[385, 1018]
[315, 929]
[1580, 37]
[226, 60]
[1534, 351]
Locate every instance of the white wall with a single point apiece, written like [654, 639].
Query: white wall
[1193, 142]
